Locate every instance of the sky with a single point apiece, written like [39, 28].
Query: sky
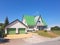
[15, 9]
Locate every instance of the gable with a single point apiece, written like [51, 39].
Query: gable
[16, 24]
[39, 22]
[42, 22]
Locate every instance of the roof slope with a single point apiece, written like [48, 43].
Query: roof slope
[15, 21]
[43, 21]
[32, 20]
[29, 20]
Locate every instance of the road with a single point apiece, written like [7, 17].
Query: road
[14, 42]
[55, 42]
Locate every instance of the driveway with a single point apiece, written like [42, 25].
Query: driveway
[55, 41]
[15, 42]
[52, 42]
[18, 36]
[34, 39]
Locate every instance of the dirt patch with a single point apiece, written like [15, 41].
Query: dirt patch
[36, 39]
[18, 36]
[53, 34]
[15, 42]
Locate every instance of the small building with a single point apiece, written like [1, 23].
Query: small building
[15, 27]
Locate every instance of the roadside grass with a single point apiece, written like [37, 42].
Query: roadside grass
[56, 32]
[46, 34]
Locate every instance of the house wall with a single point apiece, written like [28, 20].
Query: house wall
[16, 25]
[39, 23]
[24, 21]
[35, 28]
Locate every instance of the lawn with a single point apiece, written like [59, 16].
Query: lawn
[46, 34]
[56, 32]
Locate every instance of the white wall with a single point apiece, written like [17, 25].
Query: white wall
[24, 21]
[16, 24]
[48, 29]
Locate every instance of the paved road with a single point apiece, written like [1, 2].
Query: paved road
[55, 42]
[14, 42]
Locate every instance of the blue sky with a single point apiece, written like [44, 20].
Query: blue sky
[15, 9]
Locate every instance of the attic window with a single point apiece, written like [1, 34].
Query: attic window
[39, 21]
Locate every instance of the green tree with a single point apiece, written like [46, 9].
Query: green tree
[55, 28]
[6, 21]
[1, 32]
[1, 24]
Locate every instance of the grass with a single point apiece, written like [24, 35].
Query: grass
[46, 34]
[56, 32]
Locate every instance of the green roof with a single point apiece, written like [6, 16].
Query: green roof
[43, 21]
[30, 20]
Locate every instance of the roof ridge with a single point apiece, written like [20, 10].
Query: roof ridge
[16, 20]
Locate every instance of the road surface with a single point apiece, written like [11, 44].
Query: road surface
[55, 42]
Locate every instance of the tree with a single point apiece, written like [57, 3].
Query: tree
[1, 32]
[1, 24]
[6, 22]
[55, 28]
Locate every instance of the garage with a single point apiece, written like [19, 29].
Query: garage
[15, 27]
[11, 30]
[21, 30]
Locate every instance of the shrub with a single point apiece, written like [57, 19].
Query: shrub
[55, 28]
[45, 30]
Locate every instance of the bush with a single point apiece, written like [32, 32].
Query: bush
[55, 28]
[5, 35]
[45, 30]
[1, 33]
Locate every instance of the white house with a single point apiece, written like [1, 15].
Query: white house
[15, 27]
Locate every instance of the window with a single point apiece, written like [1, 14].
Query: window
[39, 21]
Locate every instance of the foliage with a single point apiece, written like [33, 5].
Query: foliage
[46, 34]
[2, 30]
[6, 21]
[45, 30]
[56, 32]
[2, 26]
[1, 33]
[55, 28]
